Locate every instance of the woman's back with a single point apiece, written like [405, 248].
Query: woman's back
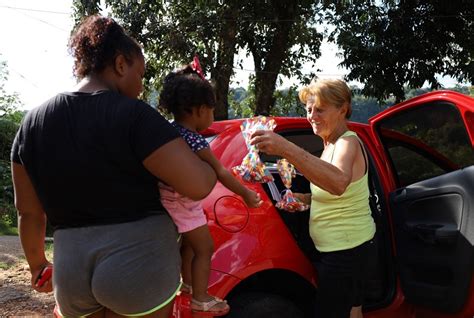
[84, 153]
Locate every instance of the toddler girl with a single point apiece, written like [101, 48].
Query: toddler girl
[190, 98]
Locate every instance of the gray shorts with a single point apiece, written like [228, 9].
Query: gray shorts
[131, 268]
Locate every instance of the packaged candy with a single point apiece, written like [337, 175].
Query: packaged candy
[287, 172]
[288, 202]
[252, 169]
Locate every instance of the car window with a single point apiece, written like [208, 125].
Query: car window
[426, 141]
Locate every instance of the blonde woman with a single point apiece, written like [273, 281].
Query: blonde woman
[340, 224]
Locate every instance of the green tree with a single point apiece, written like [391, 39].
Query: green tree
[10, 118]
[84, 8]
[172, 32]
[280, 35]
[390, 44]
[9, 103]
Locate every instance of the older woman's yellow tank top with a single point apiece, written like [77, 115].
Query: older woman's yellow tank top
[341, 222]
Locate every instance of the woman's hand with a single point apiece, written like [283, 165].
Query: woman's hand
[252, 199]
[269, 142]
[303, 197]
[46, 286]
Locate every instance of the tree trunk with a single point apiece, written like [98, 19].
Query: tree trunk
[265, 80]
[225, 62]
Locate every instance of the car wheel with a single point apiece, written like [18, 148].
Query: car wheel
[261, 305]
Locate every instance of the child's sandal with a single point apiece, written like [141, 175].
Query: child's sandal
[186, 289]
[213, 307]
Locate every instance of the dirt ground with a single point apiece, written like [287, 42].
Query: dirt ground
[17, 298]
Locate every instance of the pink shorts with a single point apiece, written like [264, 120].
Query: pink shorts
[186, 213]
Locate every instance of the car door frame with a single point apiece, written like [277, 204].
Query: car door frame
[403, 200]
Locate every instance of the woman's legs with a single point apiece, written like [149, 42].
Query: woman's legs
[161, 313]
[131, 268]
[342, 277]
[107, 313]
[356, 312]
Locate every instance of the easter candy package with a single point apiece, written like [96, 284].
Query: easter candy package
[288, 202]
[252, 169]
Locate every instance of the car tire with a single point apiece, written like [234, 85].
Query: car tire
[263, 305]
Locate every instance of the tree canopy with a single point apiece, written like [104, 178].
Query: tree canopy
[280, 35]
[10, 118]
[387, 45]
[9, 103]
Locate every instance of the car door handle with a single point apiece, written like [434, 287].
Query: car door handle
[434, 233]
[400, 195]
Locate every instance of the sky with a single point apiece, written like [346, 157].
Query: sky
[33, 41]
[34, 45]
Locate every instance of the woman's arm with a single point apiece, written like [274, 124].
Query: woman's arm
[175, 164]
[333, 177]
[251, 198]
[31, 224]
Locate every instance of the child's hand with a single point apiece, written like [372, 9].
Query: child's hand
[252, 199]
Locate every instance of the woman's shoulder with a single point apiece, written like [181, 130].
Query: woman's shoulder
[347, 137]
[45, 107]
[349, 133]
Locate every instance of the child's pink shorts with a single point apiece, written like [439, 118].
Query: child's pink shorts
[186, 213]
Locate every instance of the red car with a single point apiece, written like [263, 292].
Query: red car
[422, 197]
[422, 172]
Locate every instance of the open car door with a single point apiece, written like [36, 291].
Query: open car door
[428, 147]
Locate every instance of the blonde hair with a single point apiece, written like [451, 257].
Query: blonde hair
[328, 91]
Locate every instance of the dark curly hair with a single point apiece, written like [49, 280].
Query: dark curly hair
[184, 90]
[96, 42]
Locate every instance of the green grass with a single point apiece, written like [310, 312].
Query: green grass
[6, 229]
[4, 266]
[48, 250]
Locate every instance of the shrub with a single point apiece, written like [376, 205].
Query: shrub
[8, 130]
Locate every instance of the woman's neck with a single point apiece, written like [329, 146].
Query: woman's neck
[335, 134]
[94, 83]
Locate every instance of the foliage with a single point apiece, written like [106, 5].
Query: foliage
[389, 44]
[288, 104]
[466, 90]
[441, 129]
[172, 32]
[279, 34]
[9, 103]
[10, 118]
[8, 220]
[8, 130]
[242, 101]
[364, 107]
[84, 8]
